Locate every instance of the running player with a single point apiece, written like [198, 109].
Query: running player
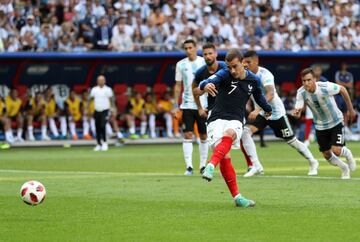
[232, 87]
[278, 120]
[185, 71]
[328, 119]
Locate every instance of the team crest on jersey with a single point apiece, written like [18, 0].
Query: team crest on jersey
[250, 89]
[212, 77]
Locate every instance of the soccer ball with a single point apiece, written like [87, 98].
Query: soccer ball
[32, 193]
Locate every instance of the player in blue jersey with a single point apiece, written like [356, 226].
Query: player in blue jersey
[328, 119]
[278, 121]
[212, 66]
[232, 87]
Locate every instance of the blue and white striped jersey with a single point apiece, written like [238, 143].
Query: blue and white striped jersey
[185, 72]
[322, 104]
[277, 106]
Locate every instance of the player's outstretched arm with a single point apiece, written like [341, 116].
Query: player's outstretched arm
[299, 106]
[261, 101]
[177, 91]
[209, 85]
[197, 93]
[296, 113]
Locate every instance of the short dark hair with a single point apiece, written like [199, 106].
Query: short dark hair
[189, 41]
[209, 46]
[307, 71]
[250, 53]
[232, 54]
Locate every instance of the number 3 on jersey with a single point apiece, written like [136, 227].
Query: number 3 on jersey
[340, 139]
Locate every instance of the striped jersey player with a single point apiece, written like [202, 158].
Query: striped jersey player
[328, 119]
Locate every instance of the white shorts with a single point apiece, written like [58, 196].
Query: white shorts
[216, 129]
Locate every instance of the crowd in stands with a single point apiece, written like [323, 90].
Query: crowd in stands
[157, 25]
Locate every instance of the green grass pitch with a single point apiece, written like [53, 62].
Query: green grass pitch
[138, 193]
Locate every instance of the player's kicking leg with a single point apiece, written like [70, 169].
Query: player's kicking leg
[223, 142]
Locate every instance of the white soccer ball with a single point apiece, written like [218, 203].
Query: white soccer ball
[32, 193]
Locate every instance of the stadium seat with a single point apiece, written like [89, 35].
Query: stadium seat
[121, 102]
[21, 90]
[287, 87]
[357, 86]
[140, 88]
[160, 88]
[120, 89]
[80, 88]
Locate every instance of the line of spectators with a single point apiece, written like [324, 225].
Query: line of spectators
[156, 25]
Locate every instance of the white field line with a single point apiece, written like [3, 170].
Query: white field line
[149, 174]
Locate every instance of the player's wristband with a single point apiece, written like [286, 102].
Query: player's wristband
[176, 105]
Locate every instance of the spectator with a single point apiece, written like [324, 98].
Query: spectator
[13, 45]
[144, 9]
[122, 6]
[262, 29]
[2, 47]
[30, 27]
[79, 45]
[98, 10]
[102, 35]
[216, 37]
[55, 28]
[65, 43]
[28, 42]
[45, 39]
[122, 41]
[7, 7]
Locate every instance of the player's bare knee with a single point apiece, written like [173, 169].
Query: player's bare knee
[188, 135]
[230, 133]
[336, 150]
[203, 137]
[327, 154]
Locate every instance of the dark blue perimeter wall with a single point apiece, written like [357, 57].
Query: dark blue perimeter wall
[152, 67]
